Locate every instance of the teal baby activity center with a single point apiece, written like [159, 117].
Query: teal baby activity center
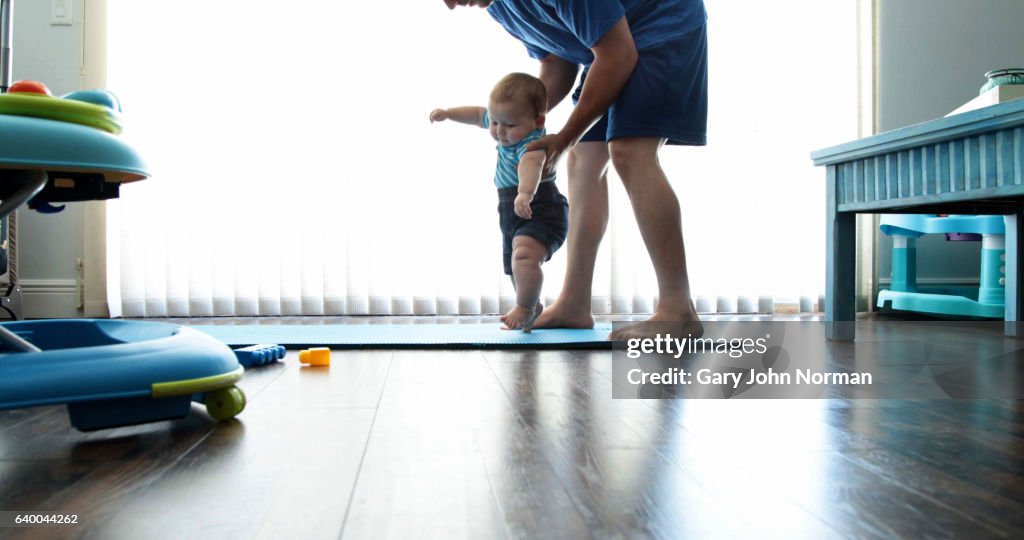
[986, 301]
[113, 373]
[108, 372]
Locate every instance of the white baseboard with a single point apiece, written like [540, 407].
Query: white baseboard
[50, 298]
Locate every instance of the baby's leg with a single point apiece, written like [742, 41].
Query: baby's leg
[536, 312]
[527, 255]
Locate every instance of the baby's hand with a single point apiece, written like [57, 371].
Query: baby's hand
[438, 115]
[522, 205]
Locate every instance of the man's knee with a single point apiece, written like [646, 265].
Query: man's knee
[573, 159]
[587, 160]
[629, 156]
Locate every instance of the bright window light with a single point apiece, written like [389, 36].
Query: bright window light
[295, 170]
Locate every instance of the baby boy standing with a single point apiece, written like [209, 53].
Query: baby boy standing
[534, 216]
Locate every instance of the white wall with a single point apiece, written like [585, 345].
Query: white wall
[932, 58]
[933, 54]
[48, 244]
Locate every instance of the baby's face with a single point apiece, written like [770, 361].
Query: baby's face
[510, 122]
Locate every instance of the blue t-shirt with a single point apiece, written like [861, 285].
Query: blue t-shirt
[569, 28]
[506, 172]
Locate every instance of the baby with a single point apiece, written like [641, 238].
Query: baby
[534, 216]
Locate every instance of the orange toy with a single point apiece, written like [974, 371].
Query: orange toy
[317, 356]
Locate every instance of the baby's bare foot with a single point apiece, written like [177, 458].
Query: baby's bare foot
[520, 317]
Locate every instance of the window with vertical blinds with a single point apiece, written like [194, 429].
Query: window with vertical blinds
[295, 171]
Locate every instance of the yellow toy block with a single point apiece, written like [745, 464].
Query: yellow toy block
[317, 356]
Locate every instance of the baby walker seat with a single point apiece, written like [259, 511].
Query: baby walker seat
[987, 301]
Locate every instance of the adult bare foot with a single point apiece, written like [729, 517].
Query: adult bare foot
[520, 317]
[679, 326]
[561, 315]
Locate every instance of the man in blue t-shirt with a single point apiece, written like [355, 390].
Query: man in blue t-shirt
[644, 84]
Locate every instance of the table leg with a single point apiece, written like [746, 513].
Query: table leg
[840, 267]
[1013, 265]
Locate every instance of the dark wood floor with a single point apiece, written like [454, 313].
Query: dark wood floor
[486, 444]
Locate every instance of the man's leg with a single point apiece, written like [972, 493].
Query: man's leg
[588, 219]
[657, 214]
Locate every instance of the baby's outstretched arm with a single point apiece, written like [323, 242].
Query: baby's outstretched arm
[464, 115]
[530, 166]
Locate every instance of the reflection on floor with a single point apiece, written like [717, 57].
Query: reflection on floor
[486, 444]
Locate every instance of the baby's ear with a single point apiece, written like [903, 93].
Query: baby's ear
[540, 121]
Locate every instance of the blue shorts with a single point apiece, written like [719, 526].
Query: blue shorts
[549, 225]
[666, 96]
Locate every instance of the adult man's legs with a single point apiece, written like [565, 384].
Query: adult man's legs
[657, 214]
[588, 219]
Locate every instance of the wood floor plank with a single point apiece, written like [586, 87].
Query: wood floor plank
[620, 457]
[761, 451]
[995, 513]
[277, 474]
[12, 418]
[423, 483]
[354, 379]
[50, 437]
[795, 432]
[423, 474]
[450, 389]
[979, 458]
[59, 469]
[93, 491]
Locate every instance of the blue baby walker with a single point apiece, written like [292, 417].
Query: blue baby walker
[987, 301]
[109, 373]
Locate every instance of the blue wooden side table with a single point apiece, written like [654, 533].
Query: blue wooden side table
[970, 163]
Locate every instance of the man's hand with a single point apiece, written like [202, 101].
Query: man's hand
[522, 205]
[553, 146]
[439, 115]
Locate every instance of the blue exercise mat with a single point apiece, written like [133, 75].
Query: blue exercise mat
[409, 336]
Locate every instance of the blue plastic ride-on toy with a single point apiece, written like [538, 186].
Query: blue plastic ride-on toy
[108, 372]
[114, 373]
[987, 301]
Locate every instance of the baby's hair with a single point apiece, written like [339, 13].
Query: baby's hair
[521, 87]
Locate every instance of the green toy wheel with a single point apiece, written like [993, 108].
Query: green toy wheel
[225, 403]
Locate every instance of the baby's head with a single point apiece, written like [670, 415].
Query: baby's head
[517, 106]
